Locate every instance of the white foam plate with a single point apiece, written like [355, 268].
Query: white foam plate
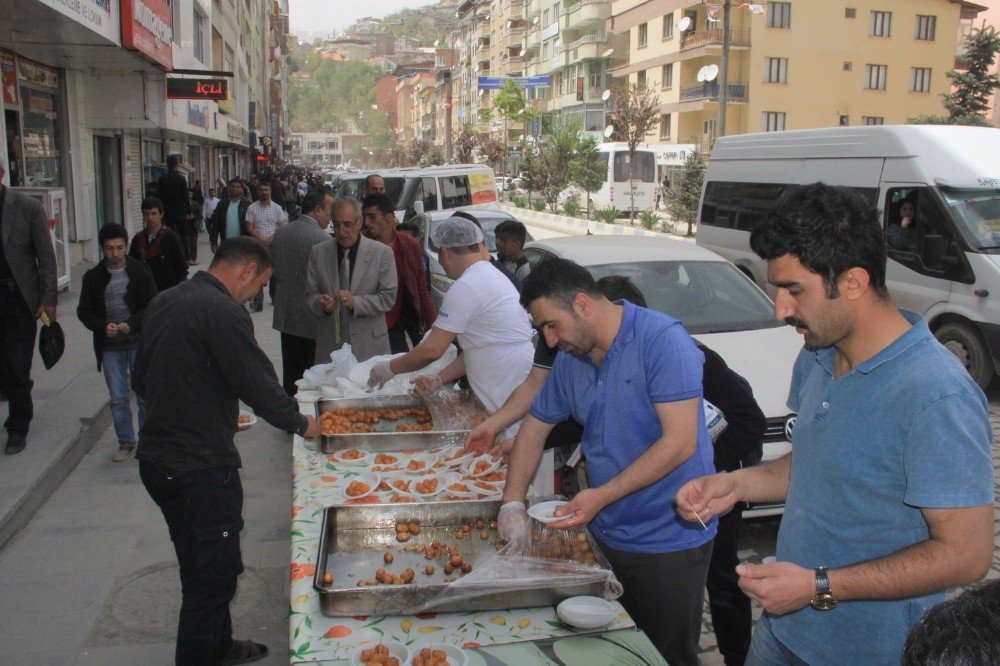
[586, 612]
[440, 486]
[371, 478]
[363, 460]
[456, 657]
[427, 458]
[542, 512]
[469, 466]
[397, 650]
[249, 424]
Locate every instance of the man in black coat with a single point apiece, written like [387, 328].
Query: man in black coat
[172, 190]
[226, 224]
[159, 247]
[113, 297]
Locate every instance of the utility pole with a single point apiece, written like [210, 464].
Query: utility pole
[724, 71]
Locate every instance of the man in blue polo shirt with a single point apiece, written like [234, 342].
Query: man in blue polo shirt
[633, 377]
[889, 488]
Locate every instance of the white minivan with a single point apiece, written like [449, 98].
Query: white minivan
[438, 188]
[944, 262]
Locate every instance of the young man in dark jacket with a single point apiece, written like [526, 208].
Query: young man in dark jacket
[159, 247]
[113, 297]
[229, 218]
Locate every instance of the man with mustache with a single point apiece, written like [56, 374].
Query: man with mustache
[889, 488]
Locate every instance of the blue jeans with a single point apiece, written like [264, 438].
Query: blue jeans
[117, 365]
[767, 650]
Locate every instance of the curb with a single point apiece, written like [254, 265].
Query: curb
[576, 226]
[55, 473]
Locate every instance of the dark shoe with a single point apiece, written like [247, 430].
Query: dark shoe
[256, 308]
[16, 441]
[243, 652]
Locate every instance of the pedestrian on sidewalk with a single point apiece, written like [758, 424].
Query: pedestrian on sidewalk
[264, 217]
[27, 289]
[197, 359]
[228, 218]
[113, 297]
[159, 247]
[208, 209]
[192, 222]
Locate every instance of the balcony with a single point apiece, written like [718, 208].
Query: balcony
[713, 37]
[586, 14]
[590, 46]
[738, 92]
[533, 38]
[513, 36]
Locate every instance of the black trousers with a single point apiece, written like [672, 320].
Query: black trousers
[203, 509]
[297, 355]
[399, 333]
[17, 348]
[664, 594]
[729, 606]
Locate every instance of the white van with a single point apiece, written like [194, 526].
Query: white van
[438, 188]
[945, 265]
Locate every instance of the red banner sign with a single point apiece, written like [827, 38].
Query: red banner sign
[147, 27]
[8, 78]
[197, 89]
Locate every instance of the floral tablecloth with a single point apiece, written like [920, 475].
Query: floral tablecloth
[318, 481]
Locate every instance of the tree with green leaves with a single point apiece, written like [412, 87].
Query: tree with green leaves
[531, 169]
[636, 111]
[557, 147]
[466, 140]
[685, 191]
[510, 103]
[588, 169]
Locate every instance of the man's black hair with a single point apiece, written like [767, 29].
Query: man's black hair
[242, 250]
[620, 287]
[314, 198]
[173, 162]
[829, 230]
[264, 182]
[110, 231]
[149, 203]
[368, 180]
[513, 230]
[962, 632]
[380, 201]
[558, 280]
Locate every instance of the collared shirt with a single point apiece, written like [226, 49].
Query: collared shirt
[652, 360]
[265, 219]
[352, 258]
[209, 207]
[904, 430]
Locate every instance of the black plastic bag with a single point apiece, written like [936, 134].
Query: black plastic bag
[51, 342]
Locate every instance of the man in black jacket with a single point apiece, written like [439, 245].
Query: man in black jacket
[172, 190]
[197, 359]
[229, 218]
[159, 247]
[113, 297]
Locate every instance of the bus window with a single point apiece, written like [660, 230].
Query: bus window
[644, 171]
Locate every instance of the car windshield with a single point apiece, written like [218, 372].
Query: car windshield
[977, 212]
[708, 296]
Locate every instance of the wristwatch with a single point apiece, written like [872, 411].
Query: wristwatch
[823, 600]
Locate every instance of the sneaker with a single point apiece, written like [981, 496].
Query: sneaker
[244, 652]
[123, 453]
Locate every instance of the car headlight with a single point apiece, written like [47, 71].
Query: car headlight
[441, 283]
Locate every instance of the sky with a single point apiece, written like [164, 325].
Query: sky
[322, 16]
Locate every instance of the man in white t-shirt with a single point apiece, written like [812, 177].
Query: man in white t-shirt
[481, 310]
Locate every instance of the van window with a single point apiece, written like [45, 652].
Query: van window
[741, 206]
[355, 187]
[919, 236]
[455, 192]
[426, 191]
[977, 212]
[645, 167]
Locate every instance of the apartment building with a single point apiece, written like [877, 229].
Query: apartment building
[791, 65]
[87, 119]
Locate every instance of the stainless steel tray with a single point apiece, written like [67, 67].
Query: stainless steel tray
[355, 538]
[389, 440]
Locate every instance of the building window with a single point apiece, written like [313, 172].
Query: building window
[925, 27]
[594, 74]
[772, 121]
[920, 79]
[643, 34]
[640, 78]
[200, 20]
[668, 26]
[875, 77]
[872, 120]
[779, 15]
[848, 66]
[776, 70]
[665, 126]
[845, 121]
[668, 76]
[881, 24]
[850, 12]
[545, 18]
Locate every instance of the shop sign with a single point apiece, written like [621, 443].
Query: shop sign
[101, 16]
[197, 89]
[147, 27]
[8, 78]
[233, 131]
[29, 71]
[197, 115]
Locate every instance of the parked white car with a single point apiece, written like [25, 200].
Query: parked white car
[719, 305]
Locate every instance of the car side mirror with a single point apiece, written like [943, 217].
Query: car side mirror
[932, 250]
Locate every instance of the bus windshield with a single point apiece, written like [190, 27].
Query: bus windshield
[644, 171]
[977, 213]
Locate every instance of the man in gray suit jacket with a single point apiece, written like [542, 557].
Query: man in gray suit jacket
[351, 283]
[290, 249]
[27, 289]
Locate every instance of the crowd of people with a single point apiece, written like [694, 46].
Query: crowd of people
[889, 501]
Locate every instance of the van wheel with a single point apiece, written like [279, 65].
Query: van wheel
[965, 343]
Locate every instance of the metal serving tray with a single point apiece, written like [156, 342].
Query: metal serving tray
[355, 538]
[385, 438]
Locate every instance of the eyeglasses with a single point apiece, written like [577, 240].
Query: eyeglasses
[343, 225]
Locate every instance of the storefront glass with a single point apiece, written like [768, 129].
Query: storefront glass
[41, 134]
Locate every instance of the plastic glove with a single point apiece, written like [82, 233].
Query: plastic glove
[380, 374]
[426, 384]
[513, 525]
